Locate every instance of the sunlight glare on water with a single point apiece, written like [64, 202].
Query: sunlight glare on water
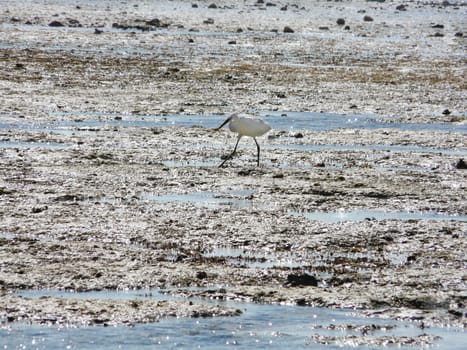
[261, 326]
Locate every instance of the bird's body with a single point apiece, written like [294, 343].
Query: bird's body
[248, 126]
[245, 127]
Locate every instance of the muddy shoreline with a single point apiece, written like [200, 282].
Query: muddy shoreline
[85, 215]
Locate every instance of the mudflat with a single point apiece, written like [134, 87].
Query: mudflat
[95, 194]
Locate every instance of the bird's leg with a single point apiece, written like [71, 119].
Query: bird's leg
[233, 152]
[257, 146]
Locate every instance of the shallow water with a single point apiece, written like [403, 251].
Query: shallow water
[393, 148]
[261, 326]
[240, 199]
[278, 120]
[232, 199]
[308, 260]
[253, 260]
[24, 144]
[361, 215]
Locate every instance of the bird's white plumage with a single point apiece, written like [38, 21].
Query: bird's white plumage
[248, 126]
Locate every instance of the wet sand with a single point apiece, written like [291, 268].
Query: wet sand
[85, 215]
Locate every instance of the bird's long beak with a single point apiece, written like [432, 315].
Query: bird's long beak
[225, 122]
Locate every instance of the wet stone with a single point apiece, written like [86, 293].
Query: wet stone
[297, 280]
[461, 164]
[56, 24]
[201, 275]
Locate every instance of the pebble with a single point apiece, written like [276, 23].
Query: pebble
[56, 24]
[304, 279]
[461, 164]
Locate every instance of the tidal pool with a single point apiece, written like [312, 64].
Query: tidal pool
[33, 144]
[388, 148]
[308, 262]
[361, 215]
[244, 199]
[278, 120]
[233, 199]
[250, 259]
[261, 326]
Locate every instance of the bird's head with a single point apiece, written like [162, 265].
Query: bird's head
[227, 121]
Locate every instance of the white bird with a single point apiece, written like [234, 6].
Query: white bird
[245, 127]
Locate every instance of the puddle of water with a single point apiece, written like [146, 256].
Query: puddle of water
[388, 148]
[278, 120]
[254, 260]
[260, 326]
[318, 265]
[187, 163]
[361, 215]
[330, 121]
[23, 144]
[232, 199]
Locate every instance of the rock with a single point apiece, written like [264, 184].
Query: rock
[456, 313]
[36, 210]
[438, 35]
[461, 164]
[154, 22]
[68, 198]
[301, 280]
[270, 4]
[298, 135]
[401, 7]
[56, 24]
[195, 6]
[368, 18]
[212, 6]
[347, 27]
[438, 26]
[287, 29]
[301, 302]
[232, 42]
[201, 275]
[208, 21]
[278, 175]
[73, 22]
[284, 8]
[446, 112]
[340, 21]
[323, 28]
[459, 34]
[422, 302]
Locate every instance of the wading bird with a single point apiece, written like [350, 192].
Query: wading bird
[245, 127]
